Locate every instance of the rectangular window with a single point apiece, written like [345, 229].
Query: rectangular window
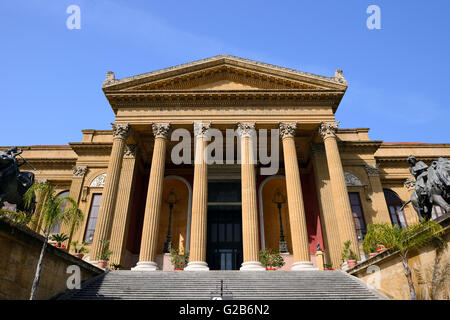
[358, 216]
[92, 220]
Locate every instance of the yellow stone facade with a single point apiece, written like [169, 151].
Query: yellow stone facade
[131, 165]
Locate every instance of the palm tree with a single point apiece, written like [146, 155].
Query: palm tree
[74, 223]
[404, 239]
[53, 212]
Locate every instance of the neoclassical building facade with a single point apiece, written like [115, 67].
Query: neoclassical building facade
[149, 184]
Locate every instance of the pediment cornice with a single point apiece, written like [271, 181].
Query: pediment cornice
[244, 71]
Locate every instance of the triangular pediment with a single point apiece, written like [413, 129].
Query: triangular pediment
[224, 73]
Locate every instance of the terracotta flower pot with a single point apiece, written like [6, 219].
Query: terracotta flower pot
[329, 269]
[270, 268]
[179, 269]
[79, 255]
[102, 264]
[381, 249]
[351, 263]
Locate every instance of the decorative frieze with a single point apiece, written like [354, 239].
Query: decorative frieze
[161, 130]
[287, 129]
[409, 184]
[99, 181]
[201, 128]
[121, 131]
[130, 151]
[79, 171]
[328, 129]
[246, 129]
[351, 180]
[372, 171]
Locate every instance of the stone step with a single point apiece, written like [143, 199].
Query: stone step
[179, 285]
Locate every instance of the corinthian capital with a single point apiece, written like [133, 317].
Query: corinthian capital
[161, 130]
[328, 129]
[130, 151]
[287, 129]
[246, 129]
[79, 171]
[201, 128]
[121, 131]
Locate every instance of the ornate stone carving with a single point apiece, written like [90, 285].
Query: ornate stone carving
[351, 180]
[121, 131]
[201, 128]
[409, 184]
[79, 171]
[372, 171]
[130, 151]
[287, 129]
[41, 181]
[339, 76]
[99, 181]
[110, 79]
[328, 129]
[246, 129]
[161, 130]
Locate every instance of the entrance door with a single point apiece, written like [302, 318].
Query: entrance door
[224, 244]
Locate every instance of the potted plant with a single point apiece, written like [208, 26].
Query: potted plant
[271, 259]
[59, 238]
[79, 252]
[104, 254]
[328, 267]
[349, 255]
[116, 266]
[178, 260]
[371, 240]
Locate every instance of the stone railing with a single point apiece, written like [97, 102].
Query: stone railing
[19, 254]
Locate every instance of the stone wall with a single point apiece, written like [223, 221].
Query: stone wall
[430, 266]
[19, 254]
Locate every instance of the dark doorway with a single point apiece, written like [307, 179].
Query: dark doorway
[224, 242]
[224, 245]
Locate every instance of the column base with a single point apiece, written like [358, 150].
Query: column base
[197, 266]
[145, 266]
[252, 266]
[303, 266]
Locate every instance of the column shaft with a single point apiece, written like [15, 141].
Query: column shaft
[108, 201]
[250, 232]
[197, 251]
[339, 188]
[154, 200]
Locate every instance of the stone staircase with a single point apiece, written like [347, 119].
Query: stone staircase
[190, 285]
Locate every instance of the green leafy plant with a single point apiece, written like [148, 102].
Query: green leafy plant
[59, 238]
[403, 240]
[105, 253]
[178, 260]
[271, 258]
[328, 266]
[53, 212]
[348, 253]
[116, 266]
[371, 240]
[18, 217]
[81, 249]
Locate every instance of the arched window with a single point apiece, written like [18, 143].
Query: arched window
[58, 226]
[394, 205]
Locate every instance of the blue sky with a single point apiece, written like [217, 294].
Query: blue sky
[51, 76]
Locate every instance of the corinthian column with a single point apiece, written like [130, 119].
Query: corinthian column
[250, 233]
[154, 199]
[297, 217]
[108, 202]
[197, 254]
[341, 201]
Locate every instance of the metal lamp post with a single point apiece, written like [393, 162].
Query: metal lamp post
[171, 200]
[279, 199]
